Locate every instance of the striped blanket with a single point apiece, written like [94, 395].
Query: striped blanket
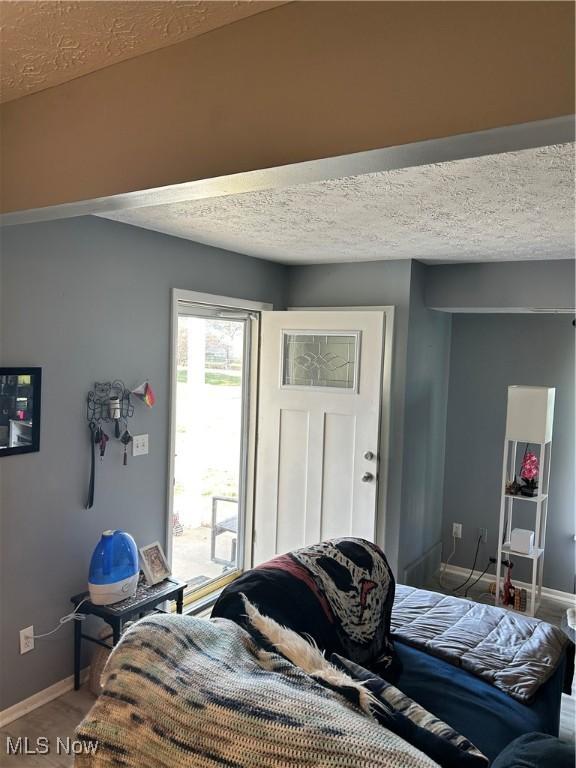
[198, 693]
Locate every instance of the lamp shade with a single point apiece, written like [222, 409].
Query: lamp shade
[530, 414]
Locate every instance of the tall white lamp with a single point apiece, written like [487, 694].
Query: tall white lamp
[529, 419]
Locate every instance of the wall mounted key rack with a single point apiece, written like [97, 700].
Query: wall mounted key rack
[108, 402]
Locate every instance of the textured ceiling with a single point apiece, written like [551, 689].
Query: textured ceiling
[512, 206]
[47, 43]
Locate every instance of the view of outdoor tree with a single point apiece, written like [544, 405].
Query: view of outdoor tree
[207, 462]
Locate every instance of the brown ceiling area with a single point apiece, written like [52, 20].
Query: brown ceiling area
[300, 82]
[47, 43]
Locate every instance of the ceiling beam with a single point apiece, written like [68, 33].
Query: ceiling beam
[495, 141]
[301, 82]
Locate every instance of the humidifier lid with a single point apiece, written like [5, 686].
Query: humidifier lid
[114, 559]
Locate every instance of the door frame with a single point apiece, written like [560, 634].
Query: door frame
[251, 410]
[385, 407]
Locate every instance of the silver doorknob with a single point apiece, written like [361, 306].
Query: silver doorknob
[368, 455]
[367, 477]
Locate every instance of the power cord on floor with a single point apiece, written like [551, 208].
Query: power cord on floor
[455, 589]
[469, 587]
[74, 616]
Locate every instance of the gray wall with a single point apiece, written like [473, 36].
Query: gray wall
[501, 286]
[89, 300]
[381, 283]
[426, 398]
[489, 352]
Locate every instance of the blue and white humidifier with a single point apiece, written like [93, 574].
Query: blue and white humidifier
[113, 574]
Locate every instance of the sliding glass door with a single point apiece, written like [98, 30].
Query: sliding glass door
[211, 438]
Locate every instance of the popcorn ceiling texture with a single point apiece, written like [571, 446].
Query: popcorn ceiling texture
[47, 43]
[512, 206]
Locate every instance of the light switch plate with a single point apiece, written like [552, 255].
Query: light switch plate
[140, 445]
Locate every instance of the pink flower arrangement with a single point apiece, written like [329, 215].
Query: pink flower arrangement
[530, 466]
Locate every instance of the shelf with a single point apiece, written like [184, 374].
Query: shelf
[540, 497]
[534, 555]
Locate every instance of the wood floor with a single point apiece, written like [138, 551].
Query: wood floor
[60, 717]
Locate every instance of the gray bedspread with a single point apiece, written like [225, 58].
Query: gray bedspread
[514, 653]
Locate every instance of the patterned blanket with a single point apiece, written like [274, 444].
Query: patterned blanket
[182, 692]
[339, 593]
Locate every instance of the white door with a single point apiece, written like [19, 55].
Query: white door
[318, 428]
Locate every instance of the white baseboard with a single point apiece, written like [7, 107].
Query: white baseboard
[566, 598]
[39, 699]
[421, 570]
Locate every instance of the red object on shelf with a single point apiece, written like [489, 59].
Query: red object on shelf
[508, 591]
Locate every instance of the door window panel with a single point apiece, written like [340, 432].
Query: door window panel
[320, 359]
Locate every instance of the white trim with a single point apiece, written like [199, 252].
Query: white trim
[39, 699]
[385, 407]
[471, 310]
[566, 598]
[194, 297]
[415, 564]
[510, 138]
[173, 374]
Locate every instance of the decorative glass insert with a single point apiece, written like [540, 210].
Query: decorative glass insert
[320, 359]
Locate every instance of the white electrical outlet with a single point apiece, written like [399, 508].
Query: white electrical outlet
[139, 445]
[27, 639]
[457, 530]
[483, 533]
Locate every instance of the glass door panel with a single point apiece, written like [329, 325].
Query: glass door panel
[208, 509]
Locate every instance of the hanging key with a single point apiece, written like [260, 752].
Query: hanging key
[126, 439]
[103, 441]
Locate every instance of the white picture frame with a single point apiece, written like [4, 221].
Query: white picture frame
[154, 563]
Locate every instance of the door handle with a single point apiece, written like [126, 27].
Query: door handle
[367, 477]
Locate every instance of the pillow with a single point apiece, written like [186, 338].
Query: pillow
[416, 725]
[339, 593]
[536, 750]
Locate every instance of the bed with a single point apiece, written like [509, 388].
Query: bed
[514, 680]
[490, 718]
[444, 645]
[186, 692]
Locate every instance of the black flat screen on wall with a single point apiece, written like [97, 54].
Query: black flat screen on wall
[20, 392]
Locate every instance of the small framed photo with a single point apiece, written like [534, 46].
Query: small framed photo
[154, 563]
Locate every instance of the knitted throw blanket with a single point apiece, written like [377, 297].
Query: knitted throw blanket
[198, 693]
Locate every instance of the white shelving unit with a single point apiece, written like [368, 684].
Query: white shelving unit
[529, 421]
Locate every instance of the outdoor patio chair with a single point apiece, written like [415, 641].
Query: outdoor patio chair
[228, 525]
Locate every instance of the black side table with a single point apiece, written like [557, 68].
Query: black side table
[144, 601]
